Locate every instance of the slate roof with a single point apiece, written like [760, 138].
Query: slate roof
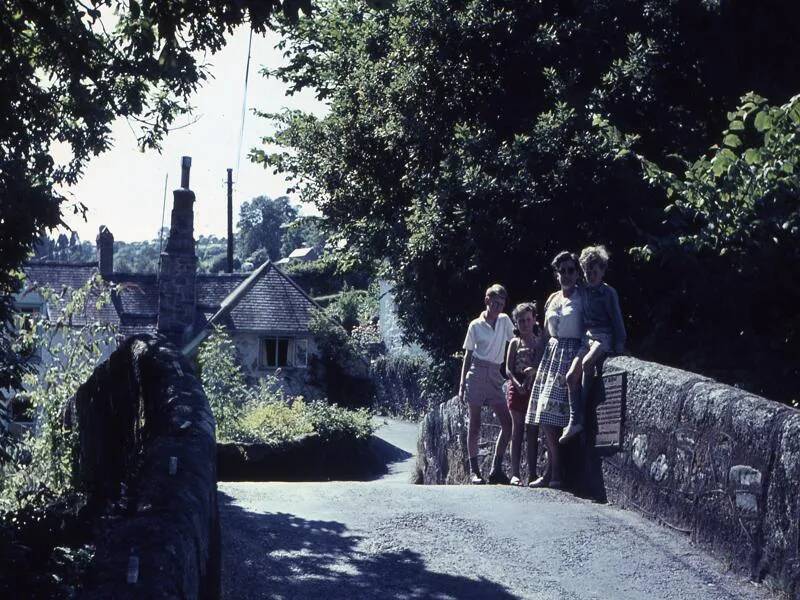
[274, 302]
[212, 289]
[265, 300]
[61, 277]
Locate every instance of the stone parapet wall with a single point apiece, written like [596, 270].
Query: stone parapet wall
[148, 463]
[715, 461]
[701, 457]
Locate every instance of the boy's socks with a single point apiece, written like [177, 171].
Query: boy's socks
[575, 425]
[576, 408]
[473, 465]
[476, 478]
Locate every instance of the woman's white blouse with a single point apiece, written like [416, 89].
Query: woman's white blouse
[564, 316]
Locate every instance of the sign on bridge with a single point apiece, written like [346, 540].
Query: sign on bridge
[611, 411]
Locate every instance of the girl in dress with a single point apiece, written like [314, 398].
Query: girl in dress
[524, 353]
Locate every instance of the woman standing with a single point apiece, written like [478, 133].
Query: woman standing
[555, 381]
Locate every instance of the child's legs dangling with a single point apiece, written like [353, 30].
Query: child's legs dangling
[589, 364]
[575, 425]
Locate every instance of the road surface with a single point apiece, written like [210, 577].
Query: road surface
[391, 539]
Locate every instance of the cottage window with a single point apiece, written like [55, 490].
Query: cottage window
[283, 352]
[274, 352]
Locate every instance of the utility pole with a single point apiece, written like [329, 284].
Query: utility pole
[230, 221]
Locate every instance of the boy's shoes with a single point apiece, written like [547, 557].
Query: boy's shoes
[498, 478]
[541, 482]
[476, 479]
[515, 481]
[570, 432]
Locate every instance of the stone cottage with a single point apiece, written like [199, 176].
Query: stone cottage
[265, 311]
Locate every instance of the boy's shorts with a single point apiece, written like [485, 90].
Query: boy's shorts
[604, 340]
[484, 384]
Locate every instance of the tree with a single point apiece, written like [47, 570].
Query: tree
[69, 68]
[303, 232]
[462, 145]
[735, 233]
[223, 381]
[70, 345]
[261, 225]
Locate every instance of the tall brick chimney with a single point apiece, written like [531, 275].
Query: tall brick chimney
[105, 251]
[176, 281]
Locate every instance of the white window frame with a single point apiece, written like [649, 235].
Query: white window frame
[299, 346]
[296, 352]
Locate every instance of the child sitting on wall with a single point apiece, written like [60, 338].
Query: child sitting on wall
[605, 330]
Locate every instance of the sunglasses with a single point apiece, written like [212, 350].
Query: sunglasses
[566, 271]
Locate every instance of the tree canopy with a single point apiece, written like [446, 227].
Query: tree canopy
[261, 225]
[467, 140]
[69, 68]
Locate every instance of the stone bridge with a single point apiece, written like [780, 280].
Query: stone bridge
[704, 504]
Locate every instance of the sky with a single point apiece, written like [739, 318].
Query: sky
[124, 188]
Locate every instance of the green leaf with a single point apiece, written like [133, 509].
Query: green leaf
[736, 125]
[752, 156]
[763, 121]
[732, 140]
[794, 110]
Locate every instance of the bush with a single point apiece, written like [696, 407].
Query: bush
[266, 414]
[409, 386]
[323, 276]
[275, 421]
[38, 468]
[223, 381]
[334, 422]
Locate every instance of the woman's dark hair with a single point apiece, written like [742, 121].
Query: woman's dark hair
[567, 255]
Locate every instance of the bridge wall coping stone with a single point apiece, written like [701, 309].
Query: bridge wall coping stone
[708, 459]
[148, 463]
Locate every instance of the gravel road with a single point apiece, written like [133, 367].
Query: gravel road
[390, 539]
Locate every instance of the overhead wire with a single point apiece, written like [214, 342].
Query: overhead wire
[244, 102]
[161, 229]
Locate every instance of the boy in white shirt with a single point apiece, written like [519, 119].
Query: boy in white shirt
[482, 380]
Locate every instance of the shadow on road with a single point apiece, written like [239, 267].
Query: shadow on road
[279, 555]
[384, 456]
